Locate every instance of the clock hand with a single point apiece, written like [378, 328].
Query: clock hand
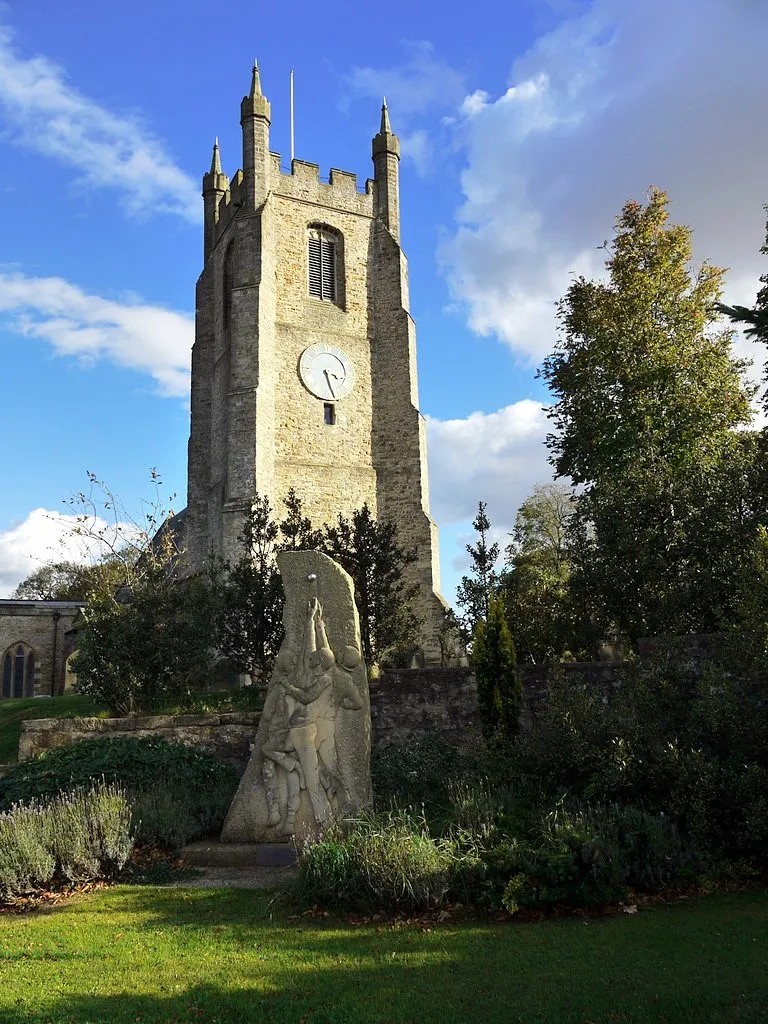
[330, 386]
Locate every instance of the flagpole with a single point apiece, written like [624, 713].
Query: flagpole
[293, 153]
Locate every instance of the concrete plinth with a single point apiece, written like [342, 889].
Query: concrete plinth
[212, 854]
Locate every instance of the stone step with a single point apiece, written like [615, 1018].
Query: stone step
[210, 853]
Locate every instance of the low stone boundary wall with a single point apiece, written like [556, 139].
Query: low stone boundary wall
[405, 702]
[227, 735]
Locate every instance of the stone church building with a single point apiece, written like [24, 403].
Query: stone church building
[304, 361]
[37, 640]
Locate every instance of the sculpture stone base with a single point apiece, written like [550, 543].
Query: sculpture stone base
[207, 854]
[310, 763]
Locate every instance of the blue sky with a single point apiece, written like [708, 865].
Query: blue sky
[524, 127]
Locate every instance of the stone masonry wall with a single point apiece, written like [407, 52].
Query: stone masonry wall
[404, 703]
[226, 735]
[41, 627]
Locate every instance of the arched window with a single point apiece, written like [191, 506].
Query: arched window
[227, 283]
[322, 263]
[7, 675]
[70, 676]
[18, 672]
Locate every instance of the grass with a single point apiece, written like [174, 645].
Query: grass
[217, 956]
[249, 698]
[14, 712]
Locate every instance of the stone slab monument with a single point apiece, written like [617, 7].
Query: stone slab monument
[310, 762]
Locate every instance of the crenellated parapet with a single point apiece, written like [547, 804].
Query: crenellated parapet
[262, 173]
[302, 183]
[339, 192]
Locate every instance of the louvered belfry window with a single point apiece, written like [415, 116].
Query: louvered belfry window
[322, 265]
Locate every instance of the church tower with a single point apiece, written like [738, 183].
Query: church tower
[304, 361]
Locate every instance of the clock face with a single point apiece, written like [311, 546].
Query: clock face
[326, 371]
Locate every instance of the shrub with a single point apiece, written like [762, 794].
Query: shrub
[151, 638]
[178, 793]
[473, 806]
[78, 836]
[170, 814]
[416, 772]
[385, 861]
[694, 750]
[589, 855]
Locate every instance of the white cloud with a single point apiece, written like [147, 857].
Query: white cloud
[44, 536]
[146, 338]
[617, 98]
[495, 457]
[422, 83]
[417, 146]
[44, 112]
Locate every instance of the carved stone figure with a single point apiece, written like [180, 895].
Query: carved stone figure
[310, 762]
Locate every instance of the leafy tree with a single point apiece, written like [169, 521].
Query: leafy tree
[499, 691]
[146, 633]
[249, 628]
[370, 553]
[542, 611]
[296, 529]
[756, 318]
[150, 637]
[648, 402]
[67, 581]
[748, 647]
[474, 592]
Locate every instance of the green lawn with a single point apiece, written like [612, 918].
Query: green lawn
[180, 956]
[14, 712]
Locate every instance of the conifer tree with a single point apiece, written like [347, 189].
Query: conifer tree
[499, 691]
[296, 528]
[474, 593]
[756, 318]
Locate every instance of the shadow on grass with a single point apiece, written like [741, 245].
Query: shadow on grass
[224, 956]
[386, 996]
[202, 1004]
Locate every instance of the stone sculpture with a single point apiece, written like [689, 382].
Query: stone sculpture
[310, 762]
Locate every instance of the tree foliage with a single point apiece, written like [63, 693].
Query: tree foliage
[545, 619]
[146, 633]
[151, 637]
[296, 528]
[475, 591]
[371, 554]
[249, 626]
[68, 581]
[648, 402]
[755, 318]
[499, 691]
